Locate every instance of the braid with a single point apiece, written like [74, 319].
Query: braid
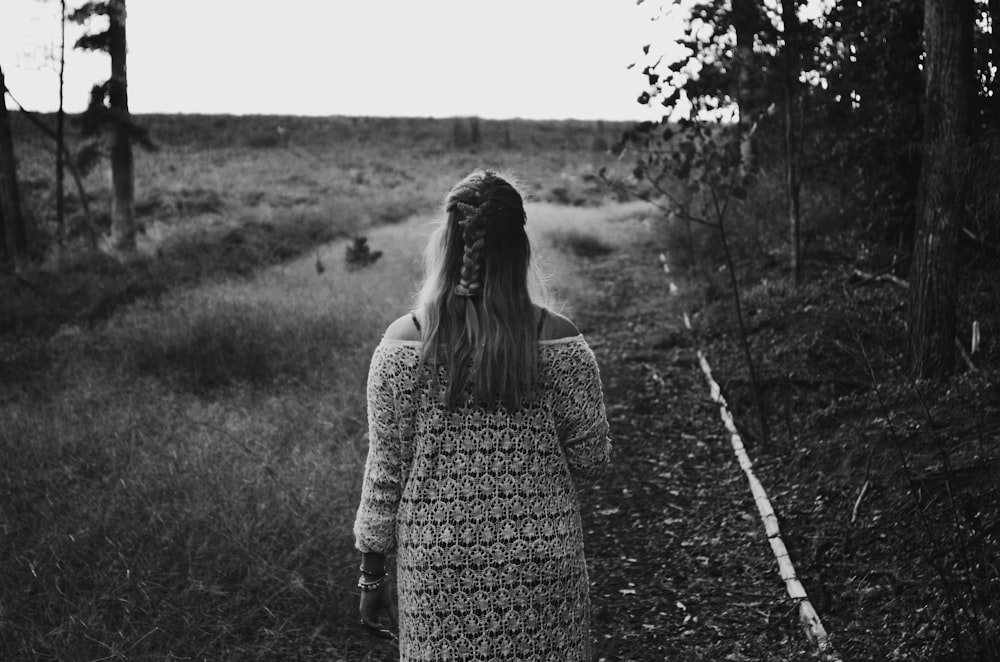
[486, 342]
[476, 205]
[474, 239]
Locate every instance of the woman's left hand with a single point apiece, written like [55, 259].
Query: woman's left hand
[373, 603]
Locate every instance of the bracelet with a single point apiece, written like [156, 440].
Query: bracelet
[370, 573]
[371, 585]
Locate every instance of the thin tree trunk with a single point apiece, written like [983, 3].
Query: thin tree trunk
[720, 225]
[122, 166]
[758, 396]
[745, 13]
[948, 90]
[60, 139]
[93, 232]
[14, 227]
[791, 23]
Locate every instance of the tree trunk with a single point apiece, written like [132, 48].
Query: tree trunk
[60, 140]
[14, 228]
[745, 14]
[122, 167]
[948, 90]
[758, 395]
[790, 18]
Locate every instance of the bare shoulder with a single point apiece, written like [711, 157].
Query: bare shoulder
[558, 326]
[402, 329]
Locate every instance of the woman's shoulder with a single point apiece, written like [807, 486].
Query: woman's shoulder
[558, 327]
[403, 329]
[554, 327]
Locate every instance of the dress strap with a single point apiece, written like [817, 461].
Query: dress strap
[416, 323]
[541, 320]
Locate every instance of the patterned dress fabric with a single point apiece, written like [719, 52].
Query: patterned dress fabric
[480, 508]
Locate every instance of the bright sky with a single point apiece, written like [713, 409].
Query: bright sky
[497, 59]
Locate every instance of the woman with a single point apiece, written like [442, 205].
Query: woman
[483, 409]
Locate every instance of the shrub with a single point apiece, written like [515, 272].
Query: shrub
[581, 244]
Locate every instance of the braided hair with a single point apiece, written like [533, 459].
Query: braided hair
[480, 319]
[474, 239]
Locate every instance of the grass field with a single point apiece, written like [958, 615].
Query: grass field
[224, 196]
[178, 479]
[338, 172]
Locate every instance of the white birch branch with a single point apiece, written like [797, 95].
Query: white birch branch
[808, 618]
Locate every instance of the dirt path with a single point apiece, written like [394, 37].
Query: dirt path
[680, 567]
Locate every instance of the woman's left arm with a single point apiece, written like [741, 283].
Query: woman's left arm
[381, 488]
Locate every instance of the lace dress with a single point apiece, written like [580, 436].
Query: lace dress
[480, 508]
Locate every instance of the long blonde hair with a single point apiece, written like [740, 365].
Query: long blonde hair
[479, 318]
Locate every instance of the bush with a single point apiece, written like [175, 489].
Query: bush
[580, 244]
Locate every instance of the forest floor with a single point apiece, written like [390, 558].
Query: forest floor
[679, 564]
[886, 490]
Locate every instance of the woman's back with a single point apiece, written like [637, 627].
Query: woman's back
[483, 412]
[487, 492]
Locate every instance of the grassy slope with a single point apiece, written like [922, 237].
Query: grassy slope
[194, 462]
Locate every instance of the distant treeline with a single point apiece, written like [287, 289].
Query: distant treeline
[264, 131]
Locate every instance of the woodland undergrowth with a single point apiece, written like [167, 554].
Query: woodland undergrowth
[889, 497]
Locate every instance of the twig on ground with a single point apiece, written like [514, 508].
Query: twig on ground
[866, 278]
[857, 502]
[865, 486]
[965, 355]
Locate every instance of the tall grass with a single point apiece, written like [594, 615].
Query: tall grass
[180, 481]
[563, 237]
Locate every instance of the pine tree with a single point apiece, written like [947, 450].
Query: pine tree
[108, 109]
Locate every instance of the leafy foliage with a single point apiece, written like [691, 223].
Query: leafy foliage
[867, 121]
[699, 157]
[860, 86]
[99, 117]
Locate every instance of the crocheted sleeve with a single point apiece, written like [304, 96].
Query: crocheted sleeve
[375, 524]
[578, 407]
